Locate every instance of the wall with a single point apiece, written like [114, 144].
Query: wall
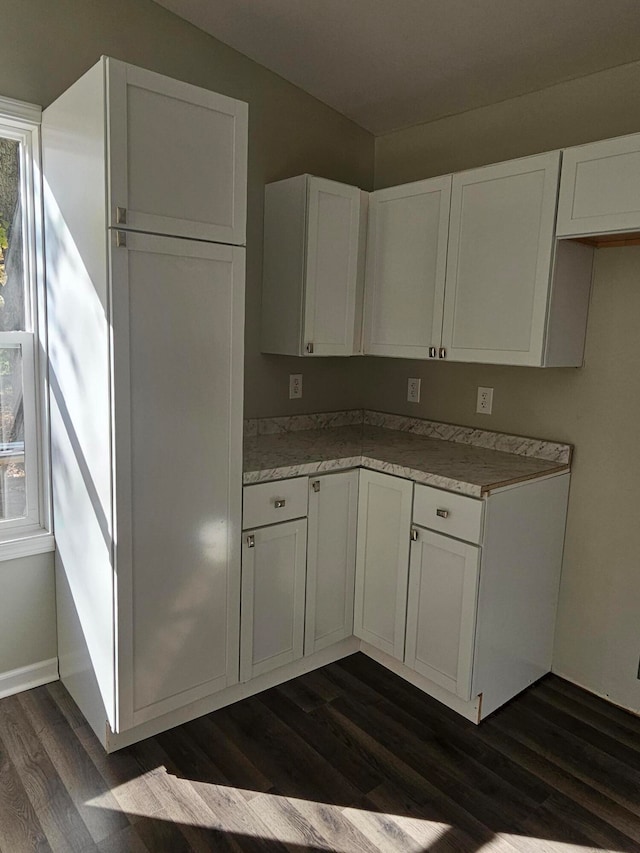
[597, 407]
[45, 47]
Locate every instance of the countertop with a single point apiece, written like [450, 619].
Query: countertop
[457, 464]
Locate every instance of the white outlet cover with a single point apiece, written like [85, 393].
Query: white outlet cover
[295, 386]
[413, 390]
[484, 402]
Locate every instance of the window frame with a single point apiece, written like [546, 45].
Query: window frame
[32, 533]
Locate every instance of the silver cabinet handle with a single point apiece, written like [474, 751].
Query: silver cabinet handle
[315, 485]
[442, 513]
[309, 348]
[121, 239]
[251, 541]
[121, 215]
[279, 503]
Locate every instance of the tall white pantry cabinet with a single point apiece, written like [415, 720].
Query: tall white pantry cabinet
[145, 208]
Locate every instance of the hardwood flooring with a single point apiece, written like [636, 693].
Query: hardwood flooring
[348, 759]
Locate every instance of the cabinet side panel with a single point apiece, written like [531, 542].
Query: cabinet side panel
[569, 304]
[78, 325]
[283, 265]
[519, 581]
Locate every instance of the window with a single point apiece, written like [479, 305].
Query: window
[23, 505]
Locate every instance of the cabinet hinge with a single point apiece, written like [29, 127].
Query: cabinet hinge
[414, 535]
[121, 215]
[315, 485]
[251, 541]
[121, 239]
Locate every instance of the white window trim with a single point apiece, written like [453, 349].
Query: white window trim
[32, 534]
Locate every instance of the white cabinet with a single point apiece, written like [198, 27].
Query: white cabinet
[441, 611]
[331, 556]
[511, 295]
[382, 560]
[600, 188]
[312, 267]
[146, 361]
[177, 156]
[273, 594]
[405, 274]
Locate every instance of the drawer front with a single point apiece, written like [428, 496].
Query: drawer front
[448, 513]
[269, 503]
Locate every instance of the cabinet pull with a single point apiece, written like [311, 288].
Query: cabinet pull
[442, 513]
[315, 485]
[251, 541]
[121, 239]
[433, 352]
[309, 348]
[279, 503]
[121, 215]
[442, 353]
[414, 535]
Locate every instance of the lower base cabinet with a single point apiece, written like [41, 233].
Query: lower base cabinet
[273, 594]
[441, 609]
[331, 559]
[382, 561]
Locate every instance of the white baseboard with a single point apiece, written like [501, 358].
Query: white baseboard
[26, 677]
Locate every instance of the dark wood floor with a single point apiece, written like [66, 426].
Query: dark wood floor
[347, 759]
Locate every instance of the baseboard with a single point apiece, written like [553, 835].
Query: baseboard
[598, 693]
[26, 677]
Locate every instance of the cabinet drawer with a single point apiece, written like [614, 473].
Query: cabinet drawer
[449, 513]
[268, 503]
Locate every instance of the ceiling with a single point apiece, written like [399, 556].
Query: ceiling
[388, 64]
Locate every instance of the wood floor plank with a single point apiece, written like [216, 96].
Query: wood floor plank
[20, 828]
[616, 816]
[90, 794]
[348, 758]
[57, 814]
[344, 762]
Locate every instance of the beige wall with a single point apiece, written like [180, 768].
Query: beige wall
[46, 46]
[597, 407]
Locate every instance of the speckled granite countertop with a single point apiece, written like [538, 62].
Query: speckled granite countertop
[460, 459]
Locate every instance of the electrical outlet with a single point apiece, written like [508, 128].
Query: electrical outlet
[485, 401]
[295, 386]
[413, 390]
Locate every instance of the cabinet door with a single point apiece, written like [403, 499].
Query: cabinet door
[273, 591]
[406, 261]
[382, 561]
[333, 225]
[178, 352]
[600, 187]
[499, 261]
[331, 559]
[177, 157]
[441, 613]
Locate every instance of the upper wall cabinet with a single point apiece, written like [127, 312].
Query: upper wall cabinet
[600, 188]
[511, 295]
[406, 260]
[177, 157]
[313, 240]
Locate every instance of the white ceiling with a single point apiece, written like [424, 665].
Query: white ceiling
[388, 64]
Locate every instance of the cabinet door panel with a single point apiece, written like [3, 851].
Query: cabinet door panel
[331, 558]
[499, 261]
[177, 426]
[382, 559]
[177, 157]
[600, 187]
[333, 224]
[273, 592]
[406, 257]
[441, 613]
